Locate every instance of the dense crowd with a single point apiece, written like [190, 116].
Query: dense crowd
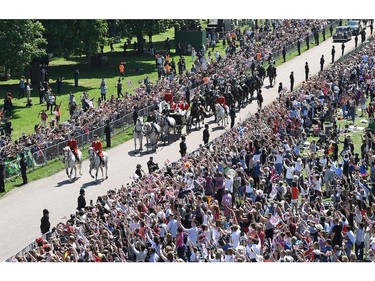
[50, 132]
[258, 193]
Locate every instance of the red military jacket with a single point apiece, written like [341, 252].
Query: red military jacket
[168, 97]
[72, 143]
[97, 146]
[221, 100]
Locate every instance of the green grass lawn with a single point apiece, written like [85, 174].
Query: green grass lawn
[136, 68]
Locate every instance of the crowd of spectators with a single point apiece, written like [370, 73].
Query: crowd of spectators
[261, 192]
[150, 93]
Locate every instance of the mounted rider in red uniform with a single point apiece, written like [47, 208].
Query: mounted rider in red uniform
[168, 97]
[97, 146]
[183, 105]
[73, 145]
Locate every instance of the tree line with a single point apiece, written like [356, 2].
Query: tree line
[26, 40]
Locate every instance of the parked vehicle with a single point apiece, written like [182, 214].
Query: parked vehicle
[343, 34]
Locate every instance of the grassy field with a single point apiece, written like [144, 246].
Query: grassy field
[136, 68]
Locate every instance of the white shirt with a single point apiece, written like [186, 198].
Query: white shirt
[228, 183]
[193, 234]
[236, 238]
[172, 227]
[360, 235]
[279, 159]
[351, 236]
[253, 250]
[289, 172]
[229, 258]
[154, 258]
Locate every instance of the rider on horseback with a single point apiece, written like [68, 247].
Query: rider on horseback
[151, 117]
[72, 143]
[183, 105]
[97, 146]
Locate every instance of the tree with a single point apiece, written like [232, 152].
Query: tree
[139, 28]
[21, 42]
[75, 37]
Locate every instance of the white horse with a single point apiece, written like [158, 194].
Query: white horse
[152, 132]
[138, 134]
[95, 163]
[71, 163]
[222, 114]
[166, 123]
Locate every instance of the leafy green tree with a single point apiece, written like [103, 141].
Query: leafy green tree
[21, 42]
[75, 37]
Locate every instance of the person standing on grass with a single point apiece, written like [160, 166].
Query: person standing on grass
[28, 93]
[41, 92]
[119, 88]
[121, 68]
[22, 85]
[76, 76]
[284, 53]
[59, 85]
[2, 173]
[299, 47]
[23, 167]
[107, 131]
[307, 42]
[43, 117]
[103, 90]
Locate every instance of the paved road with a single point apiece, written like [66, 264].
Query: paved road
[21, 209]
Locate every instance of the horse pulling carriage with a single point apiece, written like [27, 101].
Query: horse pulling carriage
[182, 118]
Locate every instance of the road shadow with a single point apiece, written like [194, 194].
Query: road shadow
[92, 183]
[218, 128]
[67, 181]
[269, 86]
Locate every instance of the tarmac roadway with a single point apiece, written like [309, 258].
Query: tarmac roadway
[21, 209]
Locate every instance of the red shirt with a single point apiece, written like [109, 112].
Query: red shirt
[97, 146]
[168, 97]
[72, 143]
[183, 106]
[294, 193]
[221, 100]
